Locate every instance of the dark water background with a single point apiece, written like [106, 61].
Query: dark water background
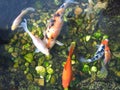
[9, 10]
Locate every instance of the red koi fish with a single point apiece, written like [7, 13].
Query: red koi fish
[67, 71]
[55, 24]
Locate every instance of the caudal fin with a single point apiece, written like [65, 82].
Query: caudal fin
[24, 25]
[71, 2]
[84, 60]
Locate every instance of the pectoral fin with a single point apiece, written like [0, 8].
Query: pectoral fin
[97, 46]
[59, 43]
[37, 51]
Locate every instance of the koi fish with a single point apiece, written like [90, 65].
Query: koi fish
[36, 41]
[67, 71]
[18, 19]
[55, 24]
[99, 53]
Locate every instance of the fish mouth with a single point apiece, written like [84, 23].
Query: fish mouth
[13, 28]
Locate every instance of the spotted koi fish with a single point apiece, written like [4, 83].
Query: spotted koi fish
[55, 24]
[103, 50]
[36, 41]
[67, 71]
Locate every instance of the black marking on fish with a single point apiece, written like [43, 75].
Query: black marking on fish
[46, 36]
[52, 37]
[52, 20]
[51, 23]
[57, 15]
[99, 54]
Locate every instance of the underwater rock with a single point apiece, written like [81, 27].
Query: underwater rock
[77, 11]
[93, 69]
[29, 77]
[48, 77]
[53, 79]
[29, 57]
[14, 54]
[32, 87]
[86, 68]
[41, 71]
[50, 70]
[39, 81]
[10, 50]
[41, 60]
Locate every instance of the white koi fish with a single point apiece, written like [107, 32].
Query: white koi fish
[18, 19]
[55, 24]
[36, 41]
[99, 53]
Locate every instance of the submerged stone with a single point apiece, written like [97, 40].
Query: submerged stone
[40, 81]
[29, 57]
[50, 70]
[40, 70]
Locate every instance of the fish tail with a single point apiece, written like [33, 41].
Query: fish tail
[85, 60]
[72, 46]
[71, 2]
[30, 9]
[25, 11]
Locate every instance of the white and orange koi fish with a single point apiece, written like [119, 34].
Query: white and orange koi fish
[103, 50]
[18, 19]
[55, 24]
[36, 41]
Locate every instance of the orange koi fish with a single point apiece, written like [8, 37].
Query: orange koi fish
[99, 53]
[18, 19]
[67, 71]
[55, 24]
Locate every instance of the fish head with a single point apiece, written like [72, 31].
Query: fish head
[13, 27]
[105, 42]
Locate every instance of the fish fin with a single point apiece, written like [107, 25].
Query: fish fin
[97, 46]
[37, 51]
[59, 43]
[44, 32]
[71, 2]
[49, 42]
[84, 60]
[24, 25]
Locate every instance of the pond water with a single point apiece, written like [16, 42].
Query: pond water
[85, 23]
